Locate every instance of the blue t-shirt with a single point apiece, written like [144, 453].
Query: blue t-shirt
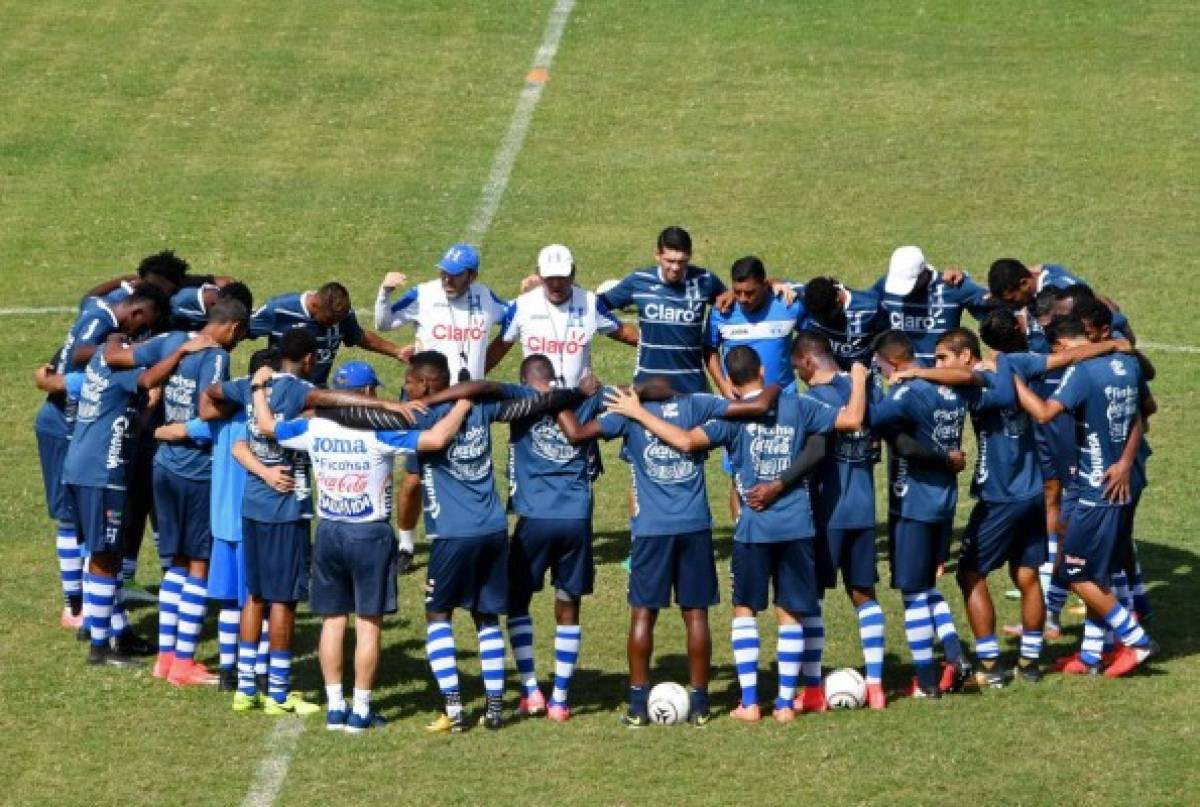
[548, 477]
[188, 312]
[457, 482]
[1053, 276]
[935, 416]
[760, 450]
[228, 475]
[668, 486]
[95, 322]
[1007, 468]
[845, 483]
[104, 434]
[852, 335]
[1104, 396]
[671, 321]
[181, 398]
[768, 330]
[261, 502]
[287, 311]
[928, 313]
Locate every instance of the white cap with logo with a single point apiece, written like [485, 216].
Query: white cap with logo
[904, 270]
[555, 261]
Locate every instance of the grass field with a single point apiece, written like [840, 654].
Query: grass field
[288, 144]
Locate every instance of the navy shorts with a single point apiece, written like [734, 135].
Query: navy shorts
[227, 572]
[561, 545]
[789, 568]
[182, 505]
[99, 513]
[1098, 543]
[850, 551]
[354, 569]
[915, 550]
[277, 559]
[1004, 532]
[683, 563]
[52, 453]
[469, 573]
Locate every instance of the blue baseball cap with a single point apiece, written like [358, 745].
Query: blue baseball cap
[459, 258]
[355, 375]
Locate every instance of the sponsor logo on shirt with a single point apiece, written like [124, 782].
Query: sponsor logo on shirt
[549, 443]
[665, 465]
[662, 312]
[345, 507]
[469, 456]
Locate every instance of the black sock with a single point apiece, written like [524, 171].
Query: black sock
[75, 603]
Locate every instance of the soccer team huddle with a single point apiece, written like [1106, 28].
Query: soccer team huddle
[813, 382]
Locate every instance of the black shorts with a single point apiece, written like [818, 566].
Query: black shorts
[469, 573]
[354, 569]
[561, 545]
[787, 567]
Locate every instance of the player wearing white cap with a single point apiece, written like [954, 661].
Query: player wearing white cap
[558, 319]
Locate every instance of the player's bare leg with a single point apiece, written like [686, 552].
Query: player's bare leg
[699, 647]
[639, 647]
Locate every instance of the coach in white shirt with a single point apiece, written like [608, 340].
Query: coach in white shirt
[453, 315]
[558, 319]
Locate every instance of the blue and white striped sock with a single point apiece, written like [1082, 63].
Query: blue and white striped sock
[987, 648]
[120, 619]
[814, 649]
[745, 657]
[70, 565]
[247, 655]
[1093, 641]
[1056, 599]
[918, 628]
[1031, 644]
[192, 603]
[520, 636]
[567, 639]
[439, 649]
[98, 595]
[279, 675]
[128, 569]
[1126, 627]
[870, 632]
[789, 653]
[1141, 602]
[228, 622]
[169, 592]
[262, 657]
[1046, 570]
[943, 624]
[1120, 589]
[491, 659]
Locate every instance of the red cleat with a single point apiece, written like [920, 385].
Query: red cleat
[1075, 665]
[532, 705]
[876, 699]
[188, 672]
[812, 699]
[162, 665]
[1129, 659]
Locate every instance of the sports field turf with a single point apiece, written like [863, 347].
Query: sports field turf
[292, 143]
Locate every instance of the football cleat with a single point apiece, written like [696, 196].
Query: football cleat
[227, 680]
[997, 677]
[635, 720]
[189, 672]
[701, 718]
[335, 719]
[493, 721]
[443, 723]
[955, 675]
[162, 665]
[1029, 671]
[1075, 665]
[103, 654]
[533, 705]
[246, 703]
[783, 712]
[876, 699]
[70, 621]
[404, 564]
[132, 644]
[919, 691]
[357, 724]
[558, 712]
[1130, 658]
[747, 714]
[811, 700]
[294, 704]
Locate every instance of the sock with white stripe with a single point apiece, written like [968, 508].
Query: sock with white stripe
[120, 619]
[566, 655]
[1056, 599]
[814, 649]
[98, 595]
[192, 603]
[247, 655]
[491, 660]
[439, 649]
[870, 632]
[520, 636]
[789, 652]
[279, 675]
[1141, 601]
[169, 592]
[943, 624]
[918, 630]
[745, 657]
[70, 566]
[1121, 590]
[987, 648]
[228, 621]
[1093, 641]
[1031, 644]
[128, 569]
[1126, 627]
[406, 540]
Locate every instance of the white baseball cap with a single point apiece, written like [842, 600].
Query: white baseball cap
[555, 261]
[904, 270]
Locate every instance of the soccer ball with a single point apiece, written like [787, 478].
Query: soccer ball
[845, 689]
[669, 704]
[607, 285]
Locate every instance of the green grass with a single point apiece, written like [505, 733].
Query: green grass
[288, 144]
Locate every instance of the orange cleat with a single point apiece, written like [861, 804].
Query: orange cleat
[747, 714]
[162, 665]
[188, 672]
[876, 699]
[71, 621]
[783, 714]
[558, 712]
[1129, 659]
[1075, 665]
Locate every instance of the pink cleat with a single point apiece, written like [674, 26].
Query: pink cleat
[783, 714]
[558, 712]
[71, 621]
[876, 699]
[162, 665]
[747, 714]
[532, 705]
[188, 672]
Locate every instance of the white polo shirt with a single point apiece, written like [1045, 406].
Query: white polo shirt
[562, 333]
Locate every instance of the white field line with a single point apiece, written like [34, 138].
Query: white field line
[284, 738]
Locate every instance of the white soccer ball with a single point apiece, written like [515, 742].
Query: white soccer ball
[669, 704]
[845, 689]
[607, 285]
